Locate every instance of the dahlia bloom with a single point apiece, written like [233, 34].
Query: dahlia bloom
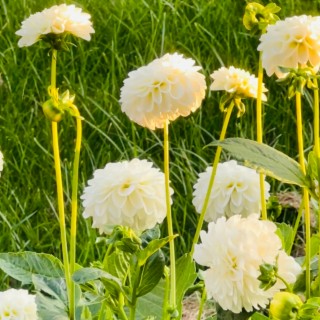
[232, 250]
[236, 81]
[165, 89]
[58, 19]
[128, 193]
[291, 43]
[236, 190]
[17, 305]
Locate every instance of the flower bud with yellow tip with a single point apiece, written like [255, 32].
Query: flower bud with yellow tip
[285, 306]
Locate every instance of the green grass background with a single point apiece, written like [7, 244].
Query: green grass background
[129, 34]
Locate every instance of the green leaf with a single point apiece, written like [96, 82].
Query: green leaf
[151, 248]
[264, 159]
[151, 304]
[51, 297]
[286, 234]
[314, 245]
[186, 275]
[151, 274]
[259, 316]
[112, 284]
[23, 265]
[117, 264]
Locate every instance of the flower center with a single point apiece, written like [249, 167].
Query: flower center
[126, 189]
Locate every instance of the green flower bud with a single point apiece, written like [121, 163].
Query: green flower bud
[285, 306]
[51, 111]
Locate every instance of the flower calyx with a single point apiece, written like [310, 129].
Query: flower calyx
[268, 276]
[228, 100]
[55, 107]
[257, 17]
[298, 79]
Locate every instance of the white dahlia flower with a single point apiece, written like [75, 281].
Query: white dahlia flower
[128, 193]
[236, 81]
[232, 250]
[165, 89]
[236, 190]
[55, 20]
[17, 304]
[291, 43]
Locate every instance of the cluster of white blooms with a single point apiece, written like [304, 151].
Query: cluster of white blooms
[291, 43]
[233, 250]
[236, 81]
[128, 193]
[236, 190]
[57, 20]
[165, 89]
[17, 305]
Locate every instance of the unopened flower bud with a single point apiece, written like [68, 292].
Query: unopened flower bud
[285, 306]
[51, 111]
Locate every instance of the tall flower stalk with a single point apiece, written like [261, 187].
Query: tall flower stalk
[305, 193]
[172, 296]
[57, 164]
[260, 135]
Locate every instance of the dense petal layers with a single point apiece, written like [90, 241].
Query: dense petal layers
[57, 20]
[291, 43]
[236, 190]
[128, 193]
[165, 89]
[232, 250]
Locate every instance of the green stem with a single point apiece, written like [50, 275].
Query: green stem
[213, 174]
[134, 140]
[305, 192]
[202, 302]
[57, 164]
[166, 294]
[122, 314]
[260, 134]
[316, 133]
[285, 283]
[172, 297]
[74, 207]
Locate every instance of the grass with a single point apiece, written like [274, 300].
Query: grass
[129, 34]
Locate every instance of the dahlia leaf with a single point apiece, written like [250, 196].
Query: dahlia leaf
[186, 276]
[151, 304]
[151, 273]
[23, 265]
[286, 235]
[264, 159]
[51, 297]
[151, 248]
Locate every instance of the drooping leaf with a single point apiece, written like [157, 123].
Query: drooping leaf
[23, 265]
[186, 275]
[117, 263]
[151, 273]
[51, 297]
[264, 159]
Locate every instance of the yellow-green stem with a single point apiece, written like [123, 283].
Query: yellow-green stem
[316, 133]
[172, 296]
[202, 302]
[74, 207]
[57, 164]
[213, 174]
[305, 192]
[260, 134]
